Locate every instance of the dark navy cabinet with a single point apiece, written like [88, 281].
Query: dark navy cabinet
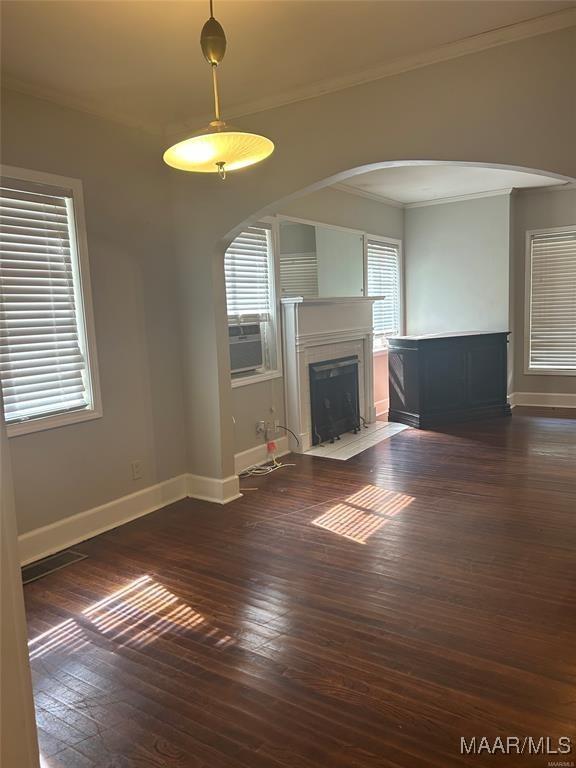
[438, 379]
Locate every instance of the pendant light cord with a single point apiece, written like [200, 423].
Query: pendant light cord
[220, 165]
[215, 76]
[216, 95]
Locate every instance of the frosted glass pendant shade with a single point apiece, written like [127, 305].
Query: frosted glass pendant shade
[218, 148]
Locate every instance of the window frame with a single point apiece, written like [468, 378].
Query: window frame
[381, 340]
[243, 380]
[528, 371]
[85, 310]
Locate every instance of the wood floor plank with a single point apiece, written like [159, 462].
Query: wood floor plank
[358, 614]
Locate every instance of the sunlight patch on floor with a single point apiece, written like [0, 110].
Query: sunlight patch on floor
[364, 513]
[136, 615]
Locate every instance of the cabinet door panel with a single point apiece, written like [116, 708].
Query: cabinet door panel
[403, 380]
[486, 366]
[444, 378]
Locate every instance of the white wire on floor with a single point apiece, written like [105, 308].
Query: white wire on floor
[264, 469]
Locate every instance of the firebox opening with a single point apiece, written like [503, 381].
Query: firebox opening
[334, 398]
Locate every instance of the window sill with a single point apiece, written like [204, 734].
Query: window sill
[256, 378]
[51, 422]
[549, 372]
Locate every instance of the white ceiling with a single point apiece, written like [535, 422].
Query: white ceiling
[423, 183]
[139, 61]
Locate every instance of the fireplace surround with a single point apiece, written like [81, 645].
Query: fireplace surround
[318, 331]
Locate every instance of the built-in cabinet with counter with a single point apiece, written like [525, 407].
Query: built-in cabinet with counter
[442, 378]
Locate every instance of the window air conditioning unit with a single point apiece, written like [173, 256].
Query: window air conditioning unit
[245, 347]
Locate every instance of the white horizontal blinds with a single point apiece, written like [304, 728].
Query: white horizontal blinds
[553, 301]
[43, 367]
[299, 274]
[248, 274]
[383, 267]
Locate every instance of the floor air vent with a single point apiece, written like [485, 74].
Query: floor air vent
[50, 564]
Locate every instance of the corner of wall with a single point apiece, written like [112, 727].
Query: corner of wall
[42, 542]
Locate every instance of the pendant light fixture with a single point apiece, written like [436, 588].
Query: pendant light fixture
[218, 148]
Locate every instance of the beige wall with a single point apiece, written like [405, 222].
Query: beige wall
[262, 401]
[457, 266]
[535, 209]
[478, 108]
[381, 388]
[333, 206]
[60, 472]
[255, 402]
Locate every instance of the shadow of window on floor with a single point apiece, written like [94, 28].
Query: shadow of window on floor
[364, 513]
[67, 636]
[136, 615]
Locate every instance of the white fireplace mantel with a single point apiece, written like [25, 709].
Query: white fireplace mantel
[315, 330]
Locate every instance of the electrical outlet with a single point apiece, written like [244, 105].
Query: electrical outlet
[260, 427]
[136, 470]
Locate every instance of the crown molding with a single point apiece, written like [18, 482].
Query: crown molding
[424, 203]
[551, 22]
[350, 190]
[568, 186]
[55, 96]
[561, 187]
[460, 198]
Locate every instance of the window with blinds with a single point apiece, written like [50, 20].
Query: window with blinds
[552, 301]
[43, 361]
[248, 274]
[250, 294]
[299, 274]
[383, 279]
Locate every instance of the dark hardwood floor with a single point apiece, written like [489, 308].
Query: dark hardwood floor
[340, 615]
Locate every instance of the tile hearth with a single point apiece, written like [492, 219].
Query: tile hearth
[350, 445]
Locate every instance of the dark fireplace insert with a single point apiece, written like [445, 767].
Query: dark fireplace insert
[334, 398]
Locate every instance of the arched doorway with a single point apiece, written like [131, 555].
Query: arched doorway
[245, 409]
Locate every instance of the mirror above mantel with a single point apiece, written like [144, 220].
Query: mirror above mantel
[317, 261]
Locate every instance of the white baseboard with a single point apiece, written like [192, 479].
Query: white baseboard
[64, 533]
[259, 455]
[219, 491]
[542, 400]
[44, 541]
[382, 407]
